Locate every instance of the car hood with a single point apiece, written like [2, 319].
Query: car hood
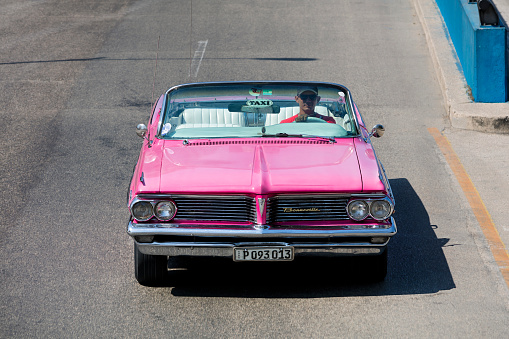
[260, 168]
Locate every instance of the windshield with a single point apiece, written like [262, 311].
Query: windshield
[249, 110]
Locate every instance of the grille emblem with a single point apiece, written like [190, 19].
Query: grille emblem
[291, 209]
[261, 209]
[261, 203]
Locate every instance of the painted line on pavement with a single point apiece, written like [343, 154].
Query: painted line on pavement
[496, 244]
[197, 58]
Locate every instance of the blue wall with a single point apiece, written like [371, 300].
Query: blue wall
[480, 49]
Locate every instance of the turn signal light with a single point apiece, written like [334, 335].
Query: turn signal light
[379, 240]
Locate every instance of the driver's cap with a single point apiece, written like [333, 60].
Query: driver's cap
[308, 89]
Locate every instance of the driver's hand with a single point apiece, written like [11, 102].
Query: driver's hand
[301, 118]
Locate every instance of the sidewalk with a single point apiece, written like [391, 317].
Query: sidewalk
[479, 134]
[503, 8]
[463, 112]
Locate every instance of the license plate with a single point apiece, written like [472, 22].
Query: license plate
[263, 253]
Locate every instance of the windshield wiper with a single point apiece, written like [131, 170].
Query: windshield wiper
[307, 136]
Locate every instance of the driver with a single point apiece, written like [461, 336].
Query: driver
[307, 98]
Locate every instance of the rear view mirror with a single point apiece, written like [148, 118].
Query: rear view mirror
[272, 109]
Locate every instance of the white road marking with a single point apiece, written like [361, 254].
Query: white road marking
[198, 57]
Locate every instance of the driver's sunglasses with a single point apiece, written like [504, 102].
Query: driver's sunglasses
[308, 96]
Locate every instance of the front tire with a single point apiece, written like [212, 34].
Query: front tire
[150, 270]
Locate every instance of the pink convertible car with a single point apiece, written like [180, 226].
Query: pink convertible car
[258, 171]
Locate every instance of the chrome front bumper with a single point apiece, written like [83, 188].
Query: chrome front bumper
[323, 241]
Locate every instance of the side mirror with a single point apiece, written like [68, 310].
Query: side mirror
[377, 131]
[141, 130]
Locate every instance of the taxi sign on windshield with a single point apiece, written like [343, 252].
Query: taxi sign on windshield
[259, 102]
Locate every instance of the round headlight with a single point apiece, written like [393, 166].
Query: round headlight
[358, 209]
[165, 210]
[380, 209]
[142, 210]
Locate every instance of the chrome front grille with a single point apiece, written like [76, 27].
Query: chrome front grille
[306, 208]
[215, 208]
[238, 208]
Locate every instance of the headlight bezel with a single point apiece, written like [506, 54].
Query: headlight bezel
[377, 201]
[145, 203]
[357, 201]
[173, 210]
[369, 202]
[153, 209]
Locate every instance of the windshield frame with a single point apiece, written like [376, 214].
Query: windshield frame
[349, 106]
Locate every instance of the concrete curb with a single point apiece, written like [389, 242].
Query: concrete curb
[462, 111]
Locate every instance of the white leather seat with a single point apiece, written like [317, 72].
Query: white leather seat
[287, 112]
[211, 117]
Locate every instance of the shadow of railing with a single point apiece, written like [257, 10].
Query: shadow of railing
[417, 265]
[106, 59]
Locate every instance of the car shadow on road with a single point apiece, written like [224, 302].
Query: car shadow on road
[417, 265]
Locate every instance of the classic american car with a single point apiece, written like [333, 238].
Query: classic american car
[258, 171]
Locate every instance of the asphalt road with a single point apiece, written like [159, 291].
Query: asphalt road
[76, 78]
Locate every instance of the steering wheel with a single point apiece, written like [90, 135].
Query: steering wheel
[313, 120]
